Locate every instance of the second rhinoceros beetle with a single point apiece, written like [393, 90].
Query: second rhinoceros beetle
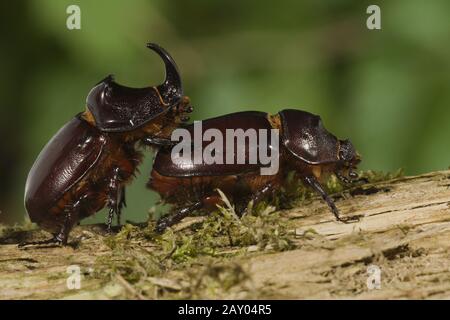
[87, 164]
[304, 147]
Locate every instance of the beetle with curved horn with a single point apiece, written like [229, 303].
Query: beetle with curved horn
[117, 108]
[91, 159]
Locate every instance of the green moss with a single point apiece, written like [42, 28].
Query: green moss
[126, 233]
[213, 280]
[137, 253]
[378, 176]
[223, 229]
[7, 231]
[291, 193]
[127, 258]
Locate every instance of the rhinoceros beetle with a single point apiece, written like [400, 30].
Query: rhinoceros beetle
[88, 162]
[304, 147]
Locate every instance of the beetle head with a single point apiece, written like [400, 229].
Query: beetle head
[348, 157]
[117, 108]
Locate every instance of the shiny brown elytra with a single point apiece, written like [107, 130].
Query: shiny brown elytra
[89, 161]
[305, 147]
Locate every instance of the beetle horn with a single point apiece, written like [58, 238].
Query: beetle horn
[171, 90]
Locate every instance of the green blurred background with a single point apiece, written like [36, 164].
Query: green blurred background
[387, 90]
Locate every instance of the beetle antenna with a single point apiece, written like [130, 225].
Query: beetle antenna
[172, 88]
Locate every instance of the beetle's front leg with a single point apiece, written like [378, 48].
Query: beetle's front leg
[354, 178]
[343, 178]
[158, 142]
[122, 204]
[312, 182]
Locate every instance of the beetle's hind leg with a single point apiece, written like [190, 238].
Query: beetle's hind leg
[60, 238]
[265, 192]
[207, 202]
[116, 198]
[316, 186]
[171, 219]
[52, 241]
[71, 217]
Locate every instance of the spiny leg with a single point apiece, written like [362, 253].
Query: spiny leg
[109, 219]
[114, 201]
[70, 218]
[171, 219]
[51, 241]
[158, 142]
[316, 186]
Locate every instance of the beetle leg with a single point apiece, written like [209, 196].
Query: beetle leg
[114, 200]
[158, 142]
[69, 220]
[60, 239]
[262, 193]
[122, 204]
[172, 219]
[52, 241]
[316, 186]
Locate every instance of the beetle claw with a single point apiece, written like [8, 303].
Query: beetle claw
[351, 219]
[161, 227]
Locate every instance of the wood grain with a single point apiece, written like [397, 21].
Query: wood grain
[405, 232]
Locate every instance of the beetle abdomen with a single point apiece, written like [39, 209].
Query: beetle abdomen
[177, 190]
[185, 167]
[64, 161]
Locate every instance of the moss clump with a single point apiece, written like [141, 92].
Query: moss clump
[377, 176]
[138, 254]
[215, 281]
[291, 193]
[223, 229]
[8, 231]
[3, 229]
[126, 235]
[127, 257]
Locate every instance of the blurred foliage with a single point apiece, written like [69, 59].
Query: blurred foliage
[387, 90]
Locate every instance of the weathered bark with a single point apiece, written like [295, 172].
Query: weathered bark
[405, 232]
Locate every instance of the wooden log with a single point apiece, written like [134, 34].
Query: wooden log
[404, 236]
